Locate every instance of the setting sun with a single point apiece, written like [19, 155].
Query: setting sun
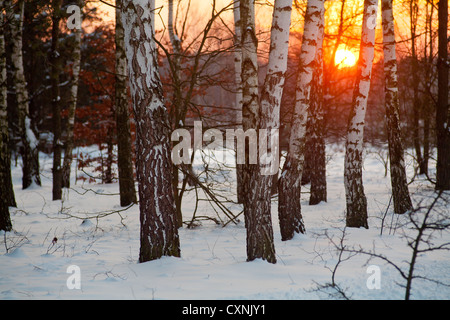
[344, 58]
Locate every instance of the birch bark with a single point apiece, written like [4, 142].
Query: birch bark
[355, 198]
[29, 150]
[68, 149]
[289, 209]
[159, 234]
[238, 90]
[400, 193]
[259, 222]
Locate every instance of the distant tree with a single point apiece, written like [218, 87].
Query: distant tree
[354, 189]
[159, 233]
[399, 183]
[124, 160]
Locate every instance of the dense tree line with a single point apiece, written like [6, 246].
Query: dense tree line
[130, 85]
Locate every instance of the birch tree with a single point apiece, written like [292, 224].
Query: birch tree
[400, 193]
[316, 141]
[73, 98]
[124, 151]
[238, 86]
[5, 160]
[159, 234]
[266, 116]
[29, 149]
[356, 201]
[289, 185]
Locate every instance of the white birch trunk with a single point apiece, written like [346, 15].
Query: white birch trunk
[355, 197]
[289, 210]
[29, 150]
[159, 234]
[400, 193]
[68, 150]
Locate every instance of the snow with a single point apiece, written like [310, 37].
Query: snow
[213, 258]
[30, 135]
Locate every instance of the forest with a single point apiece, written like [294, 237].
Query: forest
[224, 149]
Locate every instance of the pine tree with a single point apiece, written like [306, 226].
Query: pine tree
[159, 233]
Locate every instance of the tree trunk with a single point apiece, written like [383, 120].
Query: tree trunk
[354, 189]
[56, 106]
[124, 161]
[238, 98]
[289, 185]
[316, 147]
[29, 150]
[159, 234]
[400, 193]
[177, 106]
[415, 85]
[443, 110]
[68, 150]
[250, 91]
[259, 229]
[7, 193]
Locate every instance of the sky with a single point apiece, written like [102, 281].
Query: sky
[200, 12]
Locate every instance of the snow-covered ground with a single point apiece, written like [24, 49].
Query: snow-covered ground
[213, 262]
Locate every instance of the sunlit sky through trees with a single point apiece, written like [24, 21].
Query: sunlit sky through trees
[200, 12]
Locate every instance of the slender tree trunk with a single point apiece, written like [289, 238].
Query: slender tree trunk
[400, 193]
[159, 233]
[124, 161]
[415, 84]
[68, 150]
[29, 150]
[7, 193]
[56, 105]
[289, 185]
[238, 98]
[354, 189]
[316, 147]
[178, 106]
[443, 110]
